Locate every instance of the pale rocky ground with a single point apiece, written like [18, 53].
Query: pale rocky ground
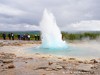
[13, 61]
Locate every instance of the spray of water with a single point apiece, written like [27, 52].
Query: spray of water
[51, 35]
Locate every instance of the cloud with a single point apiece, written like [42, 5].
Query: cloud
[90, 25]
[18, 27]
[11, 15]
[10, 11]
[67, 12]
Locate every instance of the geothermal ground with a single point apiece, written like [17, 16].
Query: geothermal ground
[15, 61]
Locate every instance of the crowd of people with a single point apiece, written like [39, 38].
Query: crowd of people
[23, 37]
[11, 36]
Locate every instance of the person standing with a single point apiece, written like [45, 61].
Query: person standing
[38, 37]
[4, 36]
[12, 35]
[9, 36]
[28, 37]
[24, 37]
[18, 37]
[35, 36]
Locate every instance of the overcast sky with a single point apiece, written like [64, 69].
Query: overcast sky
[70, 14]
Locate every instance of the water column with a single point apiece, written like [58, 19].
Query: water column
[51, 34]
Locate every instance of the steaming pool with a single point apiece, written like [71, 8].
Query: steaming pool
[88, 50]
[53, 44]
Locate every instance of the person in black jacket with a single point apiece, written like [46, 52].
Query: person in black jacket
[4, 36]
[9, 36]
[19, 37]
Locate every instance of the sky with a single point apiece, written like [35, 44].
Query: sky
[71, 15]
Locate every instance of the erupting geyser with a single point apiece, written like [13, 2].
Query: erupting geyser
[51, 35]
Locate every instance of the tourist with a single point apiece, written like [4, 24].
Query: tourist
[38, 37]
[18, 37]
[24, 36]
[4, 36]
[28, 37]
[35, 36]
[9, 36]
[21, 37]
[12, 36]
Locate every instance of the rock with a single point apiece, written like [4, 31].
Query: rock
[64, 59]
[59, 67]
[50, 63]
[80, 61]
[72, 59]
[7, 61]
[41, 68]
[94, 67]
[16, 44]
[92, 72]
[11, 66]
[86, 62]
[2, 65]
[54, 67]
[83, 70]
[7, 55]
[30, 58]
[59, 58]
[93, 61]
[49, 69]
[84, 67]
[43, 57]
[26, 62]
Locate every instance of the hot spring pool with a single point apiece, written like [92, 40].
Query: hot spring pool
[87, 52]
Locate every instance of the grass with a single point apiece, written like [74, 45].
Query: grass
[65, 35]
